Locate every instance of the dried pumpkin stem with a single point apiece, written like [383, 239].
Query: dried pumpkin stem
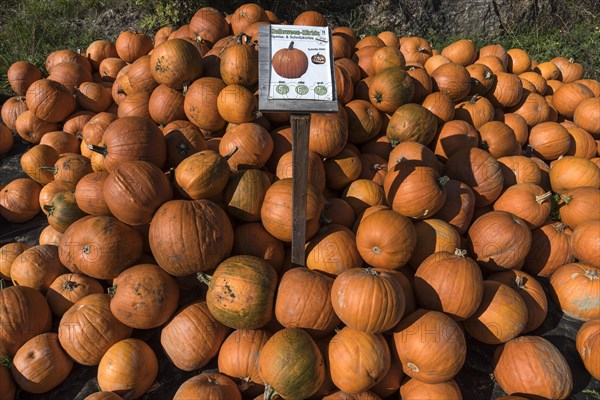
[70, 285]
[204, 278]
[48, 208]
[592, 274]
[443, 180]
[460, 252]
[98, 149]
[54, 170]
[559, 226]
[112, 291]
[540, 199]
[520, 281]
[269, 392]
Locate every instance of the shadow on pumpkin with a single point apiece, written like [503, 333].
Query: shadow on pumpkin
[566, 346]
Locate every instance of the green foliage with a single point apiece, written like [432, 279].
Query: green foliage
[160, 13]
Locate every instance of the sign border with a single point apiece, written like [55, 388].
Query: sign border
[294, 106]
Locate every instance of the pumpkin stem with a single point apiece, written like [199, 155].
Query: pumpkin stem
[371, 271]
[393, 142]
[378, 97]
[112, 291]
[2, 284]
[460, 252]
[473, 99]
[70, 285]
[204, 278]
[6, 362]
[244, 384]
[377, 250]
[377, 167]
[54, 170]
[488, 74]
[186, 86]
[49, 209]
[566, 199]
[592, 274]
[443, 180]
[98, 149]
[520, 281]
[412, 367]
[291, 45]
[484, 145]
[269, 392]
[540, 199]
[228, 156]
[559, 226]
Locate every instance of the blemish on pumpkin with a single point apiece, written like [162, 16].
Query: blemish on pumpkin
[587, 304]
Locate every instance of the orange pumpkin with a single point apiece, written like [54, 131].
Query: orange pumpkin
[576, 289]
[570, 173]
[584, 242]
[333, 250]
[414, 389]
[208, 385]
[453, 80]
[587, 342]
[580, 205]
[527, 201]
[37, 267]
[67, 289]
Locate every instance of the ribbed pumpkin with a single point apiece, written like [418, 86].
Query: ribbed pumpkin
[21, 75]
[316, 169]
[37, 267]
[462, 52]
[129, 365]
[414, 189]
[453, 80]
[165, 105]
[8, 253]
[328, 133]
[100, 247]
[501, 316]
[38, 163]
[586, 116]
[570, 172]
[414, 389]
[575, 288]
[252, 239]
[478, 169]
[549, 140]
[68, 289]
[210, 24]
[567, 97]
[244, 194]
[342, 169]
[175, 63]
[241, 292]
[132, 138]
[588, 342]
[197, 247]
[459, 206]
[376, 307]
[482, 78]
[25, 314]
[93, 96]
[41, 364]
[32, 128]
[333, 250]
[453, 136]
[499, 139]
[247, 146]
[390, 89]
[134, 190]
[200, 103]
[532, 366]
[239, 62]
[415, 49]
[49, 100]
[19, 200]
[289, 62]
[581, 204]
[507, 91]
[449, 282]
[237, 104]
[62, 211]
[477, 111]
[93, 130]
[584, 242]
[208, 385]
[499, 240]
[50, 190]
[412, 123]
[276, 211]
[530, 291]
[303, 301]
[202, 175]
[386, 239]
[300, 379]
[368, 354]
[11, 110]
[132, 45]
[527, 201]
[143, 296]
[60, 141]
[519, 169]
[89, 195]
[362, 194]
[203, 334]
[433, 358]
[550, 249]
[238, 355]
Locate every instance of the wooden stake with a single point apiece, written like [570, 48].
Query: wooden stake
[300, 134]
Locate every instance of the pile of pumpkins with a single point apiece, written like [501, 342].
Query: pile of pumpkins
[444, 186]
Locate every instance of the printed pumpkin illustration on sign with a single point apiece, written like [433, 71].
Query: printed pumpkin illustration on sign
[290, 63]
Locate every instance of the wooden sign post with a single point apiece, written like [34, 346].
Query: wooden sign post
[296, 75]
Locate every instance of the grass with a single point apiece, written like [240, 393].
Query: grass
[34, 28]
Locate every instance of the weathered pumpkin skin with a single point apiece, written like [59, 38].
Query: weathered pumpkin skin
[175, 62]
[588, 345]
[390, 89]
[208, 386]
[41, 364]
[202, 175]
[186, 249]
[412, 123]
[434, 357]
[368, 354]
[37, 163]
[103, 396]
[517, 361]
[68, 289]
[24, 315]
[449, 282]
[88, 329]
[201, 332]
[530, 291]
[8, 253]
[89, 194]
[238, 355]
[459, 206]
[244, 194]
[414, 389]
[63, 211]
[300, 379]
[100, 247]
[575, 288]
[19, 200]
[499, 240]
[134, 190]
[144, 296]
[480, 170]
[200, 103]
[37, 267]
[376, 307]
[304, 301]
[128, 365]
[241, 292]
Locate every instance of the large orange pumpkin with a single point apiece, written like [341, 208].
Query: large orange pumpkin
[588, 343]
[208, 385]
[550, 249]
[333, 250]
[238, 355]
[68, 289]
[576, 289]
[37, 267]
